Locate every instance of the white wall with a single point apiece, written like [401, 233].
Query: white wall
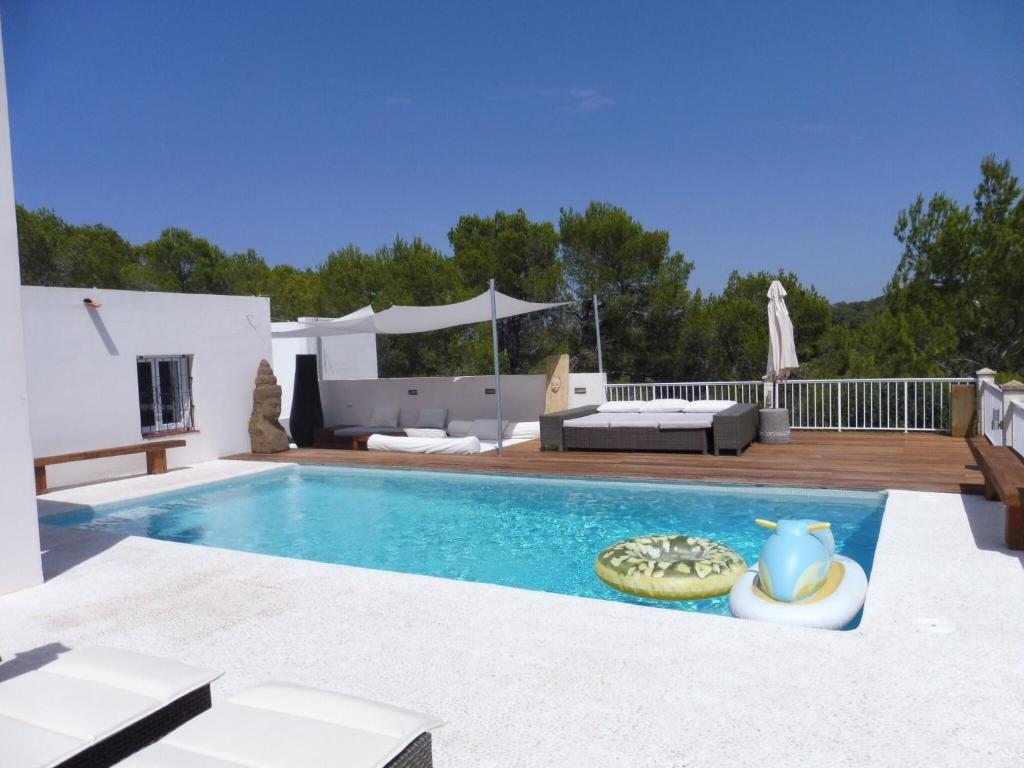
[593, 386]
[340, 357]
[20, 564]
[522, 397]
[84, 386]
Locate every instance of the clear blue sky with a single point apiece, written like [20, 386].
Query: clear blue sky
[760, 135]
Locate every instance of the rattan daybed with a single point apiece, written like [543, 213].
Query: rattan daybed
[732, 429]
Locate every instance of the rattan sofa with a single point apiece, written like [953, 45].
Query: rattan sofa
[733, 429]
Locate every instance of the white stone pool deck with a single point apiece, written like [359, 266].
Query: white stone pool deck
[934, 676]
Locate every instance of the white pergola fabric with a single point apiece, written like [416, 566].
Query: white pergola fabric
[399, 319]
[782, 358]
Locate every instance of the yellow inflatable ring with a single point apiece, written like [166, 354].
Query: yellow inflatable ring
[670, 567]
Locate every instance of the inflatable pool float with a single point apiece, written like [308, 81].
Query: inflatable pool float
[800, 580]
[670, 567]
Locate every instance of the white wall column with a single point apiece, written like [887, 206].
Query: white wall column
[20, 563]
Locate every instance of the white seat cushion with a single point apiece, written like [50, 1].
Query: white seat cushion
[280, 725]
[641, 420]
[79, 708]
[685, 420]
[30, 746]
[161, 679]
[83, 696]
[162, 755]
[593, 420]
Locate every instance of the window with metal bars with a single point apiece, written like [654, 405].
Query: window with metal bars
[165, 393]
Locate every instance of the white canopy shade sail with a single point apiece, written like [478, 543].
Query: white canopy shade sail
[399, 319]
[782, 358]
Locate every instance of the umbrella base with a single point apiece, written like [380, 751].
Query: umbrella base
[774, 426]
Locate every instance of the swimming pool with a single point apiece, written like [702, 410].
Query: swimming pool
[530, 532]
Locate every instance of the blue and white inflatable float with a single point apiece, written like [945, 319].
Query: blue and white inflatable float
[799, 579]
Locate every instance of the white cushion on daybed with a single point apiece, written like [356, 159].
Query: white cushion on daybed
[87, 694]
[708, 406]
[622, 406]
[399, 444]
[423, 432]
[281, 725]
[666, 405]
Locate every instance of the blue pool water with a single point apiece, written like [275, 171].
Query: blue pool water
[529, 532]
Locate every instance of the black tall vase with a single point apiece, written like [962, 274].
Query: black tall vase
[307, 414]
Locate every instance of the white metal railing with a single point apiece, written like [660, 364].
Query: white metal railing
[740, 391]
[904, 405]
[1014, 419]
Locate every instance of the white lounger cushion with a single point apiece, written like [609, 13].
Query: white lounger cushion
[281, 725]
[87, 694]
[399, 444]
[709, 406]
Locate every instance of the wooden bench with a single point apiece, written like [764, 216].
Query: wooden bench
[1004, 480]
[156, 458]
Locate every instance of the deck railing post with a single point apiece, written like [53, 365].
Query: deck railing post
[906, 409]
[983, 377]
[839, 420]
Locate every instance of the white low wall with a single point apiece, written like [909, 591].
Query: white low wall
[20, 564]
[83, 381]
[465, 397]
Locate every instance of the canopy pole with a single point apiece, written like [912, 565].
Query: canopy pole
[597, 328]
[497, 369]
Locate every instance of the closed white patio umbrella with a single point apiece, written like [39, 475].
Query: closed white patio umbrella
[782, 358]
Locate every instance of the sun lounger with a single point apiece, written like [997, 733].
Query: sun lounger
[281, 725]
[94, 706]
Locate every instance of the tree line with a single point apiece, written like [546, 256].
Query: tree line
[952, 306]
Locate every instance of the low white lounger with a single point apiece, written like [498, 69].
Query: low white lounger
[95, 706]
[281, 725]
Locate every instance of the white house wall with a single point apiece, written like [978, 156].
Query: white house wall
[83, 382]
[20, 564]
[465, 397]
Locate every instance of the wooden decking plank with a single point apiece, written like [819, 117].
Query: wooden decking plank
[924, 462]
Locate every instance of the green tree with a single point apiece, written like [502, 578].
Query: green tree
[53, 252]
[522, 257]
[178, 261]
[735, 325]
[955, 297]
[642, 287]
[293, 292]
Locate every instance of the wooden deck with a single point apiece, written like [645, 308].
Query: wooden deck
[878, 460]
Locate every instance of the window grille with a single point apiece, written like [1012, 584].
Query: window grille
[165, 393]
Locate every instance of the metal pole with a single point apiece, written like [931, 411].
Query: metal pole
[497, 368]
[597, 329]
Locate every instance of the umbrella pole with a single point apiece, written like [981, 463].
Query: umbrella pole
[597, 330]
[497, 368]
